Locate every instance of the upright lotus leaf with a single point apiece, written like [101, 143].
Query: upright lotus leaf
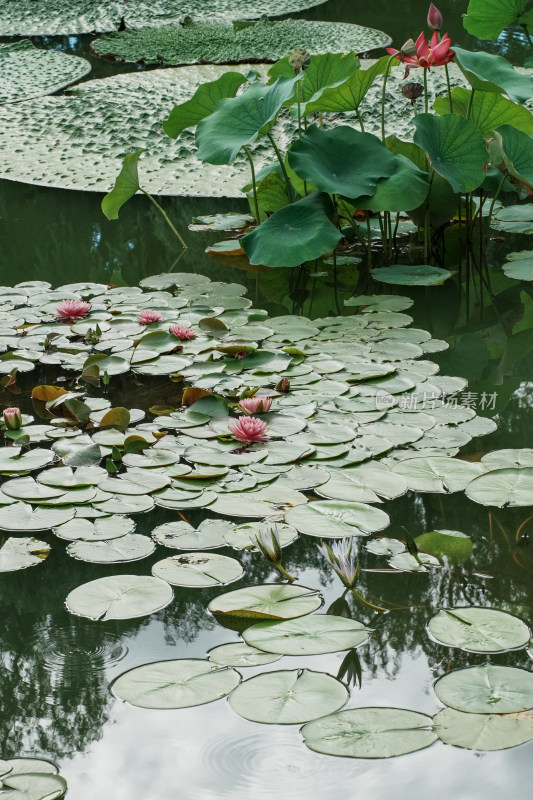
[489, 73]
[294, 234]
[487, 110]
[486, 19]
[348, 95]
[408, 150]
[407, 188]
[341, 160]
[126, 185]
[325, 71]
[517, 151]
[239, 121]
[455, 147]
[202, 103]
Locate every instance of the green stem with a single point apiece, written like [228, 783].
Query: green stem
[299, 110]
[491, 207]
[285, 574]
[385, 77]
[526, 31]
[366, 602]
[449, 87]
[369, 241]
[282, 165]
[426, 98]
[470, 101]
[166, 218]
[254, 184]
[360, 119]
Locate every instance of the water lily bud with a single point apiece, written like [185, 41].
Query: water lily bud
[12, 419]
[283, 385]
[412, 90]
[299, 59]
[435, 19]
[408, 48]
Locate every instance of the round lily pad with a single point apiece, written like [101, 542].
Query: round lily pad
[408, 563]
[363, 484]
[437, 473]
[312, 635]
[267, 601]
[487, 690]
[182, 536]
[370, 733]
[33, 786]
[131, 547]
[503, 487]
[455, 546]
[180, 683]
[240, 654]
[500, 459]
[244, 537]
[419, 275]
[478, 630]
[21, 553]
[335, 519]
[198, 570]
[119, 597]
[483, 731]
[22, 517]
[102, 529]
[288, 697]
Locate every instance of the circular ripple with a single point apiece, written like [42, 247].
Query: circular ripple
[73, 650]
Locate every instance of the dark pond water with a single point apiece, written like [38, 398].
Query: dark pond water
[54, 694]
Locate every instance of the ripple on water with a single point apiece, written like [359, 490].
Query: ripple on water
[76, 649]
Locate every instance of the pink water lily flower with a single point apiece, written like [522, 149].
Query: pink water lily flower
[12, 419]
[255, 405]
[149, 315]
[249, 430]
[182, 332]
[72, 310]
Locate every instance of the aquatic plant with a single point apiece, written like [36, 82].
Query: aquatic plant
[249, 430]
[255, 405]
[182, 332]
[72, 310]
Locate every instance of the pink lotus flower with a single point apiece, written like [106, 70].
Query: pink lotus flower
[149, 315]
[249, 430]
[182, 332]
[255, 405]
[72, 310]
[12, 419]
[428, 54]
[435, 19]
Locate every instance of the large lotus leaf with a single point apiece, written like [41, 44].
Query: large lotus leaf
[20, 553]
[35, 17]
[240, 654]
[487, 110]
[21, 517]
[297, 233]
[517, 150]
[31, 72]
[490, 73]
[455, 148]
[179, 683]
[131, 547]
[406, 188]
[268, 601]
[370, 733]
[478, 630]
[503, 487]
[483, 732]
[335, 519]
[341, 160]
[33, 786]
[487, 690]
[348, 95]
[324, 71]
[119, 597]
[486, 19]
[239, 121]
[415, 275]
[312, 635]
[220, 43]
[288, 697]
[202, 103]
[437, 474]
[198, 570]
[365, 484]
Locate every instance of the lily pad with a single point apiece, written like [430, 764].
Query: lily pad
[180, 683]
[22, 517]
[502, 487]
[240, 654]
[487, 689]
[244, 537]
[102, 529]
[363, 484]
[479, 630]
[198, 570]
[267, 601]
[182, 536]
[370, 733]
[311, 635]
[33, 786]
[131, 547]
[21, 553]
[437, 474]
[514, 219]
[288, 697]
[334, 519]
[408, 563]
[416, 275]
[483, 732]
[455, 546]
[119, 597]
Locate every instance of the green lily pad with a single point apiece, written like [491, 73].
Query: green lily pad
[130, 547]
[478, 630]
[198, 570]
[363, 484]
[67, 478]
[119, 597]
[455, 546]
[515, 458]
[288, 697]
[243, 537]
[307, 636]
[33, 786]
[180, 683]
[385, 546]
[487, 689]
[519, 266]
[437, 474]
[210, 534]
[21, 517]
[334, 519]
[416, 275]
[268, 501]
[240, 654]
[408, 563]
[15, 460]
[103, 529]
[21, 553]
[502, 487]
[514, 219]
[267, 601]
[483, 732]
[370, 733]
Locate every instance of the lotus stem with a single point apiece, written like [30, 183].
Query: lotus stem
[254, 183]
[426, 98]
[385, 77]
[360, 119]
[282, 165]
[166, 218]
[449, 87]
[470, 101]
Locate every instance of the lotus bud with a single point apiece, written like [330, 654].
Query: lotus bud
[299, 59]
[12, 419]
[435, 19]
